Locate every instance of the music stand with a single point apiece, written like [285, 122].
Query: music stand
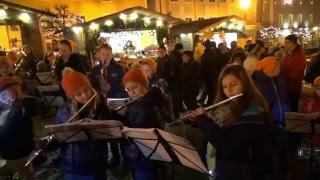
[51, 95]
[45, 77]
[159, 145]
[300, 122]
[85, 130]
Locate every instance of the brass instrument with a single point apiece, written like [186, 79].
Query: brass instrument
[187, 116]
[51, 137]
[53, 67]
[21, 62]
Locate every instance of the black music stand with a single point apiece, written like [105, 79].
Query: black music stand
[86, 130]
[52, 95]
[159, 145]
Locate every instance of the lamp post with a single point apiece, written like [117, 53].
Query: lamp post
[245, 4]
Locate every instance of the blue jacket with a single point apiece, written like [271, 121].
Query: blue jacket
[240, 147]
[87, 157]
[274, 91]
[143, 113]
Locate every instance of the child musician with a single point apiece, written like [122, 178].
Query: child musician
[6, 66]
[16, 130]
[86, 159]
[143, 113]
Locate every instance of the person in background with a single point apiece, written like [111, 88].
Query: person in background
[68, 59]
[47, 63]
[313, 70]
[292, 70]
[30, 62]
[312, 104]
[140, 114]
[86, 159]
[6, 66]
[176, 53]
[16, 130]
[224, 54]
[237, 58]
[198, 48]
[238, 130]
[233, 46]
[255, 52]
[272, 87]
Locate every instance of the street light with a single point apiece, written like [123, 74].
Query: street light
[245, 4]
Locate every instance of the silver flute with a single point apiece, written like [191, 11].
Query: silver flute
[51, 137]
[128, 103]
[188, 115]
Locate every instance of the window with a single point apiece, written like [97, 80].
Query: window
[200, 18]
[280, 19]
[188, 9]
[300, 18]
[201, 9]
[212, 0]
[188, 19]
[223, 0]
[200, 0]
[188, 0]
[290, 18]
[310, 18]
[175, 9]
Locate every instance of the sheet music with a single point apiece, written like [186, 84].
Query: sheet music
[45, 77]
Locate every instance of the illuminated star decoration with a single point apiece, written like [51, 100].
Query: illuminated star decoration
[270, 32]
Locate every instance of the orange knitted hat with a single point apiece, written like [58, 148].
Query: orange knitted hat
[7, 60]
[12, 83]
[151, 63]
[136, 75]
[316, 82]
[72, 81]
[267, 65]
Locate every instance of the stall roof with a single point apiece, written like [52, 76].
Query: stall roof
[9, 5]
[202, 25]
[138, 10]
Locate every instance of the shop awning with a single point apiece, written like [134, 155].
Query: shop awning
[202, 26]
[141, 11]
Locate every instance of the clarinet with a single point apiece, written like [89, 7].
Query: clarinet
[187, 116]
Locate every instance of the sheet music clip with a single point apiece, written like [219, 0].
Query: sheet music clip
[52, 95]
[86, 130]
[45, 77]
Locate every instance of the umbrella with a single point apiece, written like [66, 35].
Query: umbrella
[159, 145]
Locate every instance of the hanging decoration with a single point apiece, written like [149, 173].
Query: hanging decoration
[270, 32]
[53, 27]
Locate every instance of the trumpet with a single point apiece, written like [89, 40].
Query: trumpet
[187, 116]
[51, 137]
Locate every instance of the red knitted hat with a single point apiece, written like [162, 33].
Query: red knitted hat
[151, 63]
[72, 81]
[136, 75]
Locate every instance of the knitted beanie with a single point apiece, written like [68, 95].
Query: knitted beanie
[7, 60]
[136, 75]
[12, 83]
[72, 81]
[267, 65]
[152, 64]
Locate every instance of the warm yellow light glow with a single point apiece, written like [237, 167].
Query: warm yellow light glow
[108, 23]
[146, 20]
[77, 30]
[295, 25]
[245, 4]
[133, 16]
[24, 17]
[123, 17]
[231, 26]
[183, 35]
[285, 25]
[94, 26]
[159, 23]
[315, 28]
[3, 14]
[239, 26]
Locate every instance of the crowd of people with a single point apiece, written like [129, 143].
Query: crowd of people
[249, 134]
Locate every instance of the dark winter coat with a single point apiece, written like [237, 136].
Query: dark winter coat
[143, 113]
[74, 62]
[114, 75]
[168, 70]
[274, 91]
[240, 147]
[314, 69]
[16, 134]
[85, 157]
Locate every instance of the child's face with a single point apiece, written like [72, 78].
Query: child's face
[4, 69]
[231, 85]
[134, 89]
[105, 55]
[7, 96]
[83, 94]
[146, 69]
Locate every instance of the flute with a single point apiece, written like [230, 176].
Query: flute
[128, 103]
[51, 137]
[187, 116]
